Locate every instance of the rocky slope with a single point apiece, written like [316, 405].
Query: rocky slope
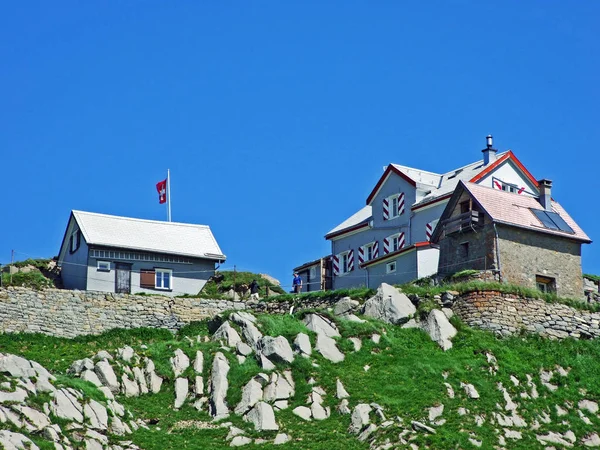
[378, 375]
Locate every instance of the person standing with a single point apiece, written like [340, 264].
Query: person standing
[297, 283]
[254, 288]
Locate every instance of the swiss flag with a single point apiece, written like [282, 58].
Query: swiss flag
[161, 187]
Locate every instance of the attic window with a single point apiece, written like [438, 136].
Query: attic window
[75, 241]
[552, 220]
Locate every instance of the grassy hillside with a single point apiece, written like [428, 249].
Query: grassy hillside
[406, 375]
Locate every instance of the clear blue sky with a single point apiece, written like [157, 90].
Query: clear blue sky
[276, 118]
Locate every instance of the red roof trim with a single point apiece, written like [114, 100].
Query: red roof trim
[439, 199]
[360, 226]
[390, 169]
[396, 253]
[509, 155]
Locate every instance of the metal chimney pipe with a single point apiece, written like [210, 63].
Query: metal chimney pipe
[489, 153]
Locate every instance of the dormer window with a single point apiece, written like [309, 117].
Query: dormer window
[75, 241]
[393, 206]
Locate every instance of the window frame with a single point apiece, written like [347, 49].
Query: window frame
[394, 206]
[75, 241]
[99, 263]
[370, 247]
[395, 238]
[162, 271]
[389, 269]
[344, 258]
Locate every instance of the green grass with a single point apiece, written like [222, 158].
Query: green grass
[235, 280]
[405, 377]
[34, 279]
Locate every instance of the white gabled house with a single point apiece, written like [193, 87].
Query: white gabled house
[388, 239]
[100, 252]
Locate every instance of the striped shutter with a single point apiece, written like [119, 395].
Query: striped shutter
[401, 241]
[386, 246]
[350, 260]
[401, 203]
[386, 209]
[336, 264]
[361, 255]
[521, 190]
[375, 249]
[496, 184]
[428, 231]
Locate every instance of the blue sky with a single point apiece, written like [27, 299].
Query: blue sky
[276, 118]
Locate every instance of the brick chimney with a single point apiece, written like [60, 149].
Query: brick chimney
[489, 153]
[545, 187]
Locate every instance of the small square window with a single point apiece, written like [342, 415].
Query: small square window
[545, 284]
[103, 266]
[390, 267]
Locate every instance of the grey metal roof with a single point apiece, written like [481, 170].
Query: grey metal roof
[148, 235]
[362, 215]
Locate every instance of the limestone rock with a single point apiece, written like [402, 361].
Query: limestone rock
[435, 412]
[266, 363]
[66, 406]
[281, 438]
[18, 395]
[276, 349]
[16, 366]
[103, 354]
[440, 329]
[343, 407]
[418, 426]
[249, 331]
[302, 344]
[593, 440]
[181, 392]
[370, 429]
[356, 342]
[243, 349]
[252, 393]
[154, 382]
[321, 325]
[106, 375]
[126, 353]
[389, 305]
[37, 419]
[199, 385]
[16, 441]
[90, 375]
[198, 362]
[345, 306]
[180, 362]
[227, 334]
[239, 441]
[588, 405]
[470, 390]
[360, 418]
[96, 414]
[280, 388]
[129, 387]
[326, 346]
[139, 378]
[218, 387]
[263, 417]
[303, 412]
[340, 390]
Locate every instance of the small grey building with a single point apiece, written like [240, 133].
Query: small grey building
[528, 241]
[316, 275]
[127, 255]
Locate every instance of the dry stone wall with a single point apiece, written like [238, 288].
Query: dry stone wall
[508, 314]
[66, 313]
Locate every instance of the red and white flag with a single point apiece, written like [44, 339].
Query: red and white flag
[161, 187]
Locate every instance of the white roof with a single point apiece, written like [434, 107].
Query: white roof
[148, 235]
[358, 217]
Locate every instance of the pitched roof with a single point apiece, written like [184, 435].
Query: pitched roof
[514, 209]
[174, 238]
[363, 215]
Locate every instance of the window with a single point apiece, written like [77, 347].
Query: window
[75, 241]
[103, 266]
[465, 206]
[545, 284]
[370, 251]
[344, 262]
[390, 267]
[163, 278]
[393, 243]
[313, 273]
[507, 187]
[464, 250]
[393, 206]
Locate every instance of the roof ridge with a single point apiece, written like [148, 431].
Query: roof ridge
[136, 219]
[414, 168]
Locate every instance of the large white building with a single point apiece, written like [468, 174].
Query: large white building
[387, 240]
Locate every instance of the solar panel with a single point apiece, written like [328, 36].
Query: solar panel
[560, 223]
[546, 221]
[552, 220]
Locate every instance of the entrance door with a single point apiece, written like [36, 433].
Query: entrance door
[123, 278]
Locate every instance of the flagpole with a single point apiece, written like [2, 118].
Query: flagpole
[168, 195]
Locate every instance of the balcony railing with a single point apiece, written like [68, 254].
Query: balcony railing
[463, 222]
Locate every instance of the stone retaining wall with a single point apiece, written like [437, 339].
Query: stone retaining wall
[67, 313]
[72, 313]
[508, 314]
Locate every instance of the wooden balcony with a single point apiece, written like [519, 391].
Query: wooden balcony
[464, 222]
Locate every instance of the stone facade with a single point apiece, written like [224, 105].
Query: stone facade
[508, 314]
[525, 254]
